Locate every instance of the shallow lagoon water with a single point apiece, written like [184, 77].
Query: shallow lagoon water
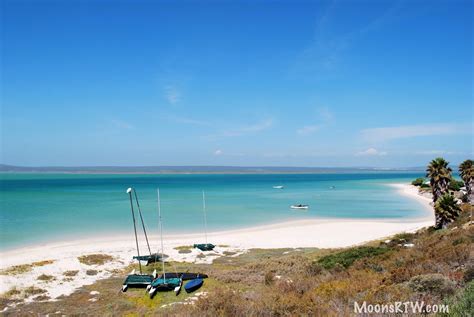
[38, 208]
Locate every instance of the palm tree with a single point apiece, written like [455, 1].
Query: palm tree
[466, 170]
[440, 176]
[446, 210]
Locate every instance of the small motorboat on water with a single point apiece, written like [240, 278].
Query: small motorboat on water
[299, 206]
[278, 187]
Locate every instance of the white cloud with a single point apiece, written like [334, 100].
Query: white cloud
[330, 46]
[437, 152]
[187, 120]
[391, 133]
[172, 94]
[324, 117]
[371, 152]
[218, 152]
[249, 129]
[308, 129]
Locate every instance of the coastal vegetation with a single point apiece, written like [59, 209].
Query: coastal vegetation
[429, 265]
[443, 185]
[95, 259]
[45, 278]
[418, 182]
[24, 268]
[184, 249]
[466, 170]
[347, 257]
[440, 176]
[446, 210]
[71, 273]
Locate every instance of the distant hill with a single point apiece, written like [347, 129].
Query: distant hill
[194, 169]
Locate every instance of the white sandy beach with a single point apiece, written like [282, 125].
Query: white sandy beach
[320, 233]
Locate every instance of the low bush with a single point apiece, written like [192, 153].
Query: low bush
[455, 185]
[418, 182]
[436, 284]
[30, 291]
[24, 268]
[461, 304]
[70, 273]
[269, 278]
[95, 259]
[347, 257]
[45, 278]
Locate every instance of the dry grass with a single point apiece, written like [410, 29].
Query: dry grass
[184, 249]
[12, 293]
[95, 259]
[45, 278]
[30, 291]
[24, 268]
[70, 273]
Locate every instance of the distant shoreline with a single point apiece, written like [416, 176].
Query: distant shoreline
[10, 169]
[200, 173]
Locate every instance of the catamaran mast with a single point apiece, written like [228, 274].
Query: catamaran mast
[143, 223]
[129, 191]
[161, 234]
[204, 210]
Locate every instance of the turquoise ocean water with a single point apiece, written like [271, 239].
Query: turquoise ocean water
[37, 208]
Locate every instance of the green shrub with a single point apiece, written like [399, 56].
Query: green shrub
[461, 304]
[436, 284]
[455, 185]
[347, 257]
[418, 182]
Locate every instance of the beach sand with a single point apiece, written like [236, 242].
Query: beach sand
[309, 233]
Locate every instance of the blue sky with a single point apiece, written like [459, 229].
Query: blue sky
[288, 83]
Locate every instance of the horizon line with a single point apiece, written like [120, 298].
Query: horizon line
[10, 166]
